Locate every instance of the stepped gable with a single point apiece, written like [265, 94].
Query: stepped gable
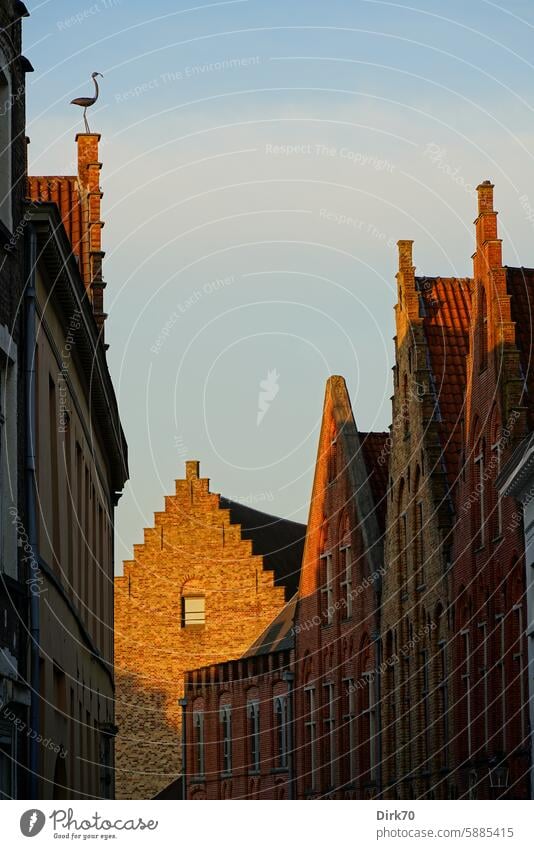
[445, 307]
[520, 285]
[279, 541]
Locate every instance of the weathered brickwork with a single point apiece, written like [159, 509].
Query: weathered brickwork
[337, 752]
[491, 746]
[432, 322]
[195, 549]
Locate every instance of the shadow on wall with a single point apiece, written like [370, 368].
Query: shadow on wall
[147, 748]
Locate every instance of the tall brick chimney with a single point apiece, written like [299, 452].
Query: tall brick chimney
[91, 194]
[408, 297]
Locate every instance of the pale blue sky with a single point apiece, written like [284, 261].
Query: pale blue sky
[280, 149]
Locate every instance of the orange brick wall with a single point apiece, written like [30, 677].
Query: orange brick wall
[191, 544]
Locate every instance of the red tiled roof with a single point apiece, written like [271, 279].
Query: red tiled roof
[64, 192]
[520, 285]
[375, 450]
[446, 308]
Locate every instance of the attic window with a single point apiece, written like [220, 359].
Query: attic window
[193, 611]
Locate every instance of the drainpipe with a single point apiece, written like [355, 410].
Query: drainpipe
[378, 690]
[30, 499]
[289, 677]
[183, 705]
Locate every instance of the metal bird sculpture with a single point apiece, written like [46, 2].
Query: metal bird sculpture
[86, 102]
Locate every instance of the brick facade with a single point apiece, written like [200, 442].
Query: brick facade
[239, 561]
[491, 746]
[14, 689]
[432, 323]
[420, 690]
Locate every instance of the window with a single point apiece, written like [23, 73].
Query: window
[479, 528]
[425, 692]
[496, 449]
[327, 588]
[8, 458]
[483, 329]
[346, 583]
[226, 727]
[198, 726]
[311, 734]
[280, 731]
[403, 554]
[500, 665]
[6, 114]
[443, 695]
[193, 611]
[350, 723]
[484, 674]
[329, 726]
[7, 760]
[519, 660]
[466, 678]
[253, 715]
[369, 716]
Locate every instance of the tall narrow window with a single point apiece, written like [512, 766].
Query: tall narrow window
[53, 531]
[501, 671]
[327, 588]
[311, 736]
[466, 678]
[484, 342]
[484, 673]
[425, 698]
[226, 739]
[346, 583]
[349, 720]
[280, 731]
[480, 521]
[403, 526]
[443, 705]
[519, 661]
[369, 716]
[329, 731]
[253, 715]
[496, 452]
[198, 726]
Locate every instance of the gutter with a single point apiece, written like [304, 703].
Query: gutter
[31, 503]
[183, 705]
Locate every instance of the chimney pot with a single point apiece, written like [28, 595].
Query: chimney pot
[485, 196]
[192, 469]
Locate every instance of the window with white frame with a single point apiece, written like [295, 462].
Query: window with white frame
[253, 716]
[226, 739]
[280, 731]
[346, 583]
[193, 611]
[327, 588]
[6, 117]
[311, 735]
[198, 725]
[329, 731]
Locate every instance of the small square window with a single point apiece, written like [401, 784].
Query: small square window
[193, 611]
